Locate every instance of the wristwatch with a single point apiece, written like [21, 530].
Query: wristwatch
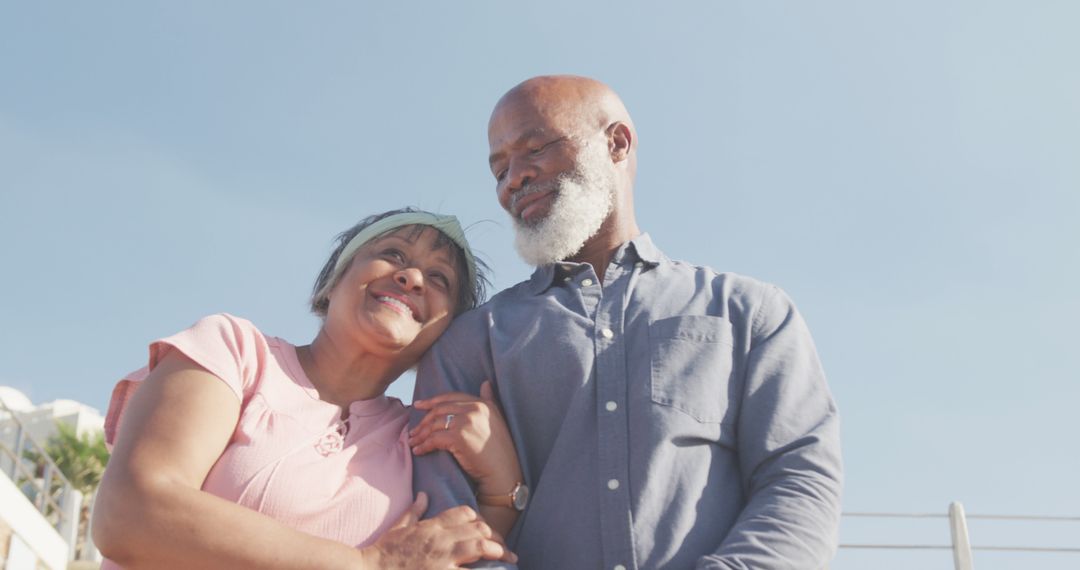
[515, 499]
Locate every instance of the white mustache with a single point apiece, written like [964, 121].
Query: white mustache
[530, 189]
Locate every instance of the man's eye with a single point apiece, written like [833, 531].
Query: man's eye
[394, 254]
[538, 150]
[500, 175]
[545, 146]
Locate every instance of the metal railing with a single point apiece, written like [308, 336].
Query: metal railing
[33, 471]
[39, 478]
[961, 546]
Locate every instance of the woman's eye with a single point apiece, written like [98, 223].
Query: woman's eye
[441, 279]
[394, 255]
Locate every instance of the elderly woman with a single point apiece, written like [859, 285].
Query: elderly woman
[240, 450]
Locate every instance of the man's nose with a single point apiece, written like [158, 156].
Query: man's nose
[519, 176]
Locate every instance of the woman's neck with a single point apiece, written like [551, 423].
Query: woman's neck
[344, 376]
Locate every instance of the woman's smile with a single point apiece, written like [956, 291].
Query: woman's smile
[401, 304]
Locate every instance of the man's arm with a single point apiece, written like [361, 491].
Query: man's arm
[480, 442]
[789, 451]
[459, 362]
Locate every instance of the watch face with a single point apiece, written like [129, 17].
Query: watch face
[521, 497]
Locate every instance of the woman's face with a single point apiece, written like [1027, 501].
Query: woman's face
[397, 295]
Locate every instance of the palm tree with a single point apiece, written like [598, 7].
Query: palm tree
[81, 459]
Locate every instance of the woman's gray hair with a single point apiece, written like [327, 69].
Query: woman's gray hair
[469, 294]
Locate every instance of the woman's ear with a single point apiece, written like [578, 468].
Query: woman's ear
[620, 141]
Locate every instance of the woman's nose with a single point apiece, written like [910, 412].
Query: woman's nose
[410, 278]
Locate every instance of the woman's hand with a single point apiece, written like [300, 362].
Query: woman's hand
[478, 438]
[476, 434]
[455, 537]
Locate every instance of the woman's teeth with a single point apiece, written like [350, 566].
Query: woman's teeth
[395, 303]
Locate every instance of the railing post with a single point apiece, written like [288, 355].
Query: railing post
[89, 550]
[45, 498]
[70, 509]
[20, 441]
[7, 461]
[961, 546]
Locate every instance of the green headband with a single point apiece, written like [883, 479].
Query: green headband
[448, 225]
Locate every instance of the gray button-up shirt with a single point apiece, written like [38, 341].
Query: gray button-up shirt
[673, 417]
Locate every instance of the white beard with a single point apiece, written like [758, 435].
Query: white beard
[584, 198]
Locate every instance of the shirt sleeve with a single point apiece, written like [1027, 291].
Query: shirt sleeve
[789, 451]
[458, 362]
[230, 348]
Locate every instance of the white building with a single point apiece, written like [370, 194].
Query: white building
[39, 512]
[40, 421]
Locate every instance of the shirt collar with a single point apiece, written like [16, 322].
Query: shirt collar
[640, 249]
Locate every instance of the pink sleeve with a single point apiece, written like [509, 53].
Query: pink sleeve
[230, 348]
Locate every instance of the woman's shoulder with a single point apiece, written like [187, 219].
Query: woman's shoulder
[227, 346]
[226, 322]
[237, 333]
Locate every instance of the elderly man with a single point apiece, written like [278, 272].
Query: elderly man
[666, 415]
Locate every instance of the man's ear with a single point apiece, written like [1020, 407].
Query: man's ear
[620, 141]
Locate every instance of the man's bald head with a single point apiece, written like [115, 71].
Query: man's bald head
[582, 102]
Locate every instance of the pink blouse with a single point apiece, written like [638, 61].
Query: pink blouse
[291, 456]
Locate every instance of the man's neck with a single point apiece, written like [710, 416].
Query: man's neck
[600, 248]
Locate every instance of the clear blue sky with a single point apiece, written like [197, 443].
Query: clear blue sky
[907, 171]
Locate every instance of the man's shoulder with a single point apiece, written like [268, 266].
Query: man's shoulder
[680, 274]
[726, 283]
[477, 319]
[762, 306]
[510, 296]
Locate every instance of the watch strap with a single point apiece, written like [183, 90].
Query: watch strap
[506, 500]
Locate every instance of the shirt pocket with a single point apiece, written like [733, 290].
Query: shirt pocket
[691, 361]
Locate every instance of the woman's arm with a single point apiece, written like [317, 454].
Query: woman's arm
[151, 512]
[480, 442]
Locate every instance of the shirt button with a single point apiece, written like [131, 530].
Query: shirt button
[586, 282]
[606, 333]
[611, 406]
[619, 567]
[613, 484]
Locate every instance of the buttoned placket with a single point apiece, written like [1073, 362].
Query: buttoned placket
[613, 444]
